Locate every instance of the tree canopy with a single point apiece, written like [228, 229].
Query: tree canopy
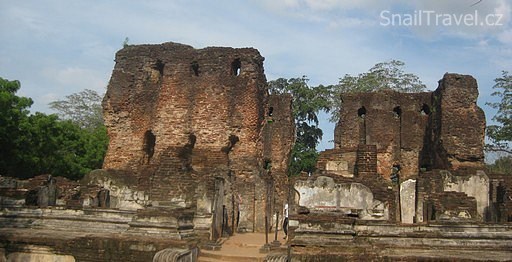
[388, 75]
[35, 144]
[13, 113]
[82, 108]
[502, 165]
[500, 134]
[307, 102]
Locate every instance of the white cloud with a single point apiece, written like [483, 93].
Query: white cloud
[352, 22]
[503, 7]
[483, 43]
[48, 98]
[366, 13]
[326, 5]
[75, 78]
[24, 18]
[506, 37]
[368, 5]
[483, 18]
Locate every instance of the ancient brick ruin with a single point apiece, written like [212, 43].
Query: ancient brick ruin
[402, 159]
[198, 129]
[198, 148]
[416, 134]
[199, 152]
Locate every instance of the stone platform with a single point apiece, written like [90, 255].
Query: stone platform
[85, 235]
[245, 247]
[332, 240]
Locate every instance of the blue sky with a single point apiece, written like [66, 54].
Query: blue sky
[60, 47]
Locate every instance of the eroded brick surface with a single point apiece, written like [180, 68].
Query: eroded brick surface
[180, 118]
[432, 130]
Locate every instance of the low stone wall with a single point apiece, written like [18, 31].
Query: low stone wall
[323, 194]
[334, 238]
[57, 234]
[122, 188]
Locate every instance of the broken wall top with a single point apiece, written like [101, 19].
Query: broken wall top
[460, 123]
[163, 96]
[442, 129]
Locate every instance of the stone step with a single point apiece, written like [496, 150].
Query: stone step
[208, 259]
[231, 257]
[242, 247]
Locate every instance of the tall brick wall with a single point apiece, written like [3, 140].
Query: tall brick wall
[278, 138]
[460, 124]
[173, 91]
[442, 129]
[182, 119]
[391, 121]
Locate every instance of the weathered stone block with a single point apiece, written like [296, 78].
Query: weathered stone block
[473, 185]
[323, 194]
[408, 201]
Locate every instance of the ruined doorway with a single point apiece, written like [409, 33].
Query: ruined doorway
[218, 209]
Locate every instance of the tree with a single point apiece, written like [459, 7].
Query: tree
[48, 145]
[83, 108]
[502, 165]
[307, 102]
[500, 134]
[43, 144]
[125, 42]
[87, 149]
[382, 76]
[13, 111]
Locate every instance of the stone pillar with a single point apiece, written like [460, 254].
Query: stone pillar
[42, 196]
[104, 198]
[408, 201]
[459, 138]
[52, 192]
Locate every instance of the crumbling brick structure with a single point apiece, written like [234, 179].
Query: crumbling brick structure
[198, 129]
[500, 192]
[432, 130]
[402, 137]
[401, 158]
